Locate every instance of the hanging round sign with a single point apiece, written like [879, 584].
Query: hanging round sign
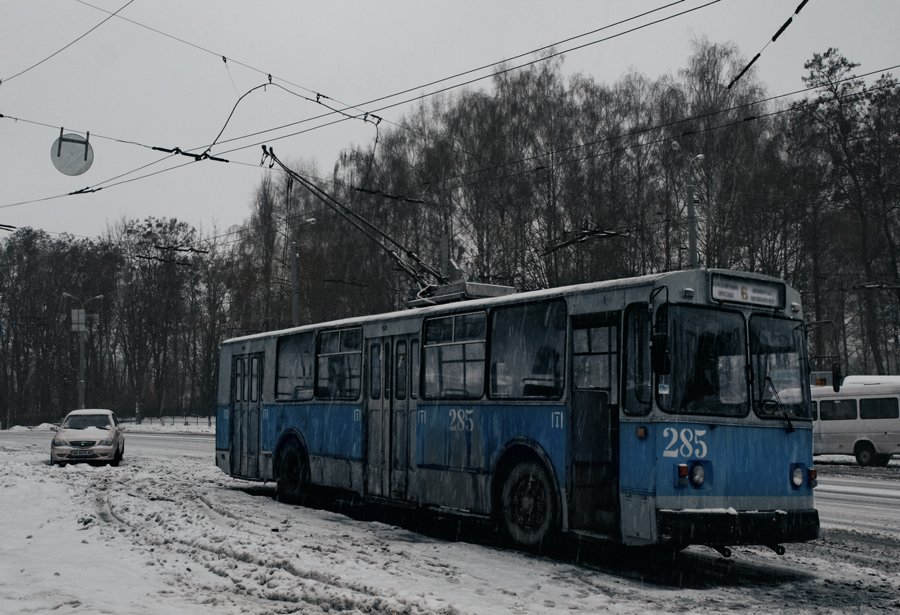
[72, 154]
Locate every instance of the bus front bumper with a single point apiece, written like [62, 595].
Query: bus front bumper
[714, 527]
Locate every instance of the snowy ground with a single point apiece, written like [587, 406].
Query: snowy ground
[173, 536]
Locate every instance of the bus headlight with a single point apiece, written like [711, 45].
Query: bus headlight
[797, 476]
[698, 475]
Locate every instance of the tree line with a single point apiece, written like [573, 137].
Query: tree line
[542, 180]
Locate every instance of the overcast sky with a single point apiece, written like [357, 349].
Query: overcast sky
[135, 82]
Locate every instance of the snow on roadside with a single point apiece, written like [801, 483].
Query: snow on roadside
[175, 535]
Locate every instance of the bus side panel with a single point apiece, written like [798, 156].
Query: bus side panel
[637, 482]
[333, 436]
[458, 445]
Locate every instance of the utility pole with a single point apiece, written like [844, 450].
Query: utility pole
[692, 216]
[295, 291]
[79, 325]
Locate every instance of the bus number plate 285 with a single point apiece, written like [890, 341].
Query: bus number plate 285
[685, 443]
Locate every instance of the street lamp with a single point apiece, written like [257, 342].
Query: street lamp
[692, 216]
[79, 324]
[295, 292]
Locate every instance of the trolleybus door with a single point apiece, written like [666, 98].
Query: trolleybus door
[595, 424]
[388, 417]
[246, 400]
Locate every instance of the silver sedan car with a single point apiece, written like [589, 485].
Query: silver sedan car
[88, 435]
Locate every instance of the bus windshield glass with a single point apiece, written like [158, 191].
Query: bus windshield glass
[779, 389]
[708, 358]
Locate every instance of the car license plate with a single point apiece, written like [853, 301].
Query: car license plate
[82, 453]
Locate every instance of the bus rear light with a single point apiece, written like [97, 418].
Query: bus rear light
[812, 477]
[642, 433]
[682, 475]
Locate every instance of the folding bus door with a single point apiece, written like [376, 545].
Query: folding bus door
[388, 416]
[246, 402]
[593, 439]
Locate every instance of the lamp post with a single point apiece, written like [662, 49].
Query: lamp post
[79, 324]
[295, 292]
[692, 216]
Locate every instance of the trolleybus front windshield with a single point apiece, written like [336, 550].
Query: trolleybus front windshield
[708, 358]
[776, 359]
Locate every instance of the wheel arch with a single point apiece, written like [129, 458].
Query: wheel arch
[289, 435]
[517, 450]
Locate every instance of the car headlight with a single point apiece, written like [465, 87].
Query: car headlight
[58, 442]
[107, 442]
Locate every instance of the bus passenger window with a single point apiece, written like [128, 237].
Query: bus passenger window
[339, 364]
[454, 356]
[837, 409]
[882, 408]
[527, 351]
[294, 367]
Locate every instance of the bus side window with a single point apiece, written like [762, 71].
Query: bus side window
[527, 351]
[294, 367]
[339, 364]
[454, 351]
[837, 409]
[880, 408]
[815, 410]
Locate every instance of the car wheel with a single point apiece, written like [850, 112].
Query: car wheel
[528, 505]
[291, 473]
[117, 459]
[865, 454]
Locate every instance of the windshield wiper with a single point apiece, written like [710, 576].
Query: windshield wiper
[776, 401]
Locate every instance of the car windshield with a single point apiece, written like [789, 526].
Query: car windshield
[779, 388]
[86, 421]
[708, 351]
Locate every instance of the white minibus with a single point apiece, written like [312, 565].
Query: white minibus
[863, 419]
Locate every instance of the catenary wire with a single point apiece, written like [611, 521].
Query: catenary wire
[8, 79]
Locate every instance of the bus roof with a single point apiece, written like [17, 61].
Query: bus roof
[549, 293]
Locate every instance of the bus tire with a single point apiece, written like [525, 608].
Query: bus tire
[291, 473]
[528, 505]
[865, 454]
[882, 460]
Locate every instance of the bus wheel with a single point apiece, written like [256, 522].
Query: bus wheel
[291, 474]
[882, 460]
[865, 454]
[528, 505]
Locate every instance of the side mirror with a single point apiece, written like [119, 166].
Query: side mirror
[836, 377]
[121, 428]
[54, 427]
[659, 354]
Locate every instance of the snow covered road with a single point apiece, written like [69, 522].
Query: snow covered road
[175, 535]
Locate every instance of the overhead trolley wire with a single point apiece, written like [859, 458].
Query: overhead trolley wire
[774, 38]
[67, 46]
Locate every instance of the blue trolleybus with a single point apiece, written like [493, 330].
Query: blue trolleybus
[667, 409]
